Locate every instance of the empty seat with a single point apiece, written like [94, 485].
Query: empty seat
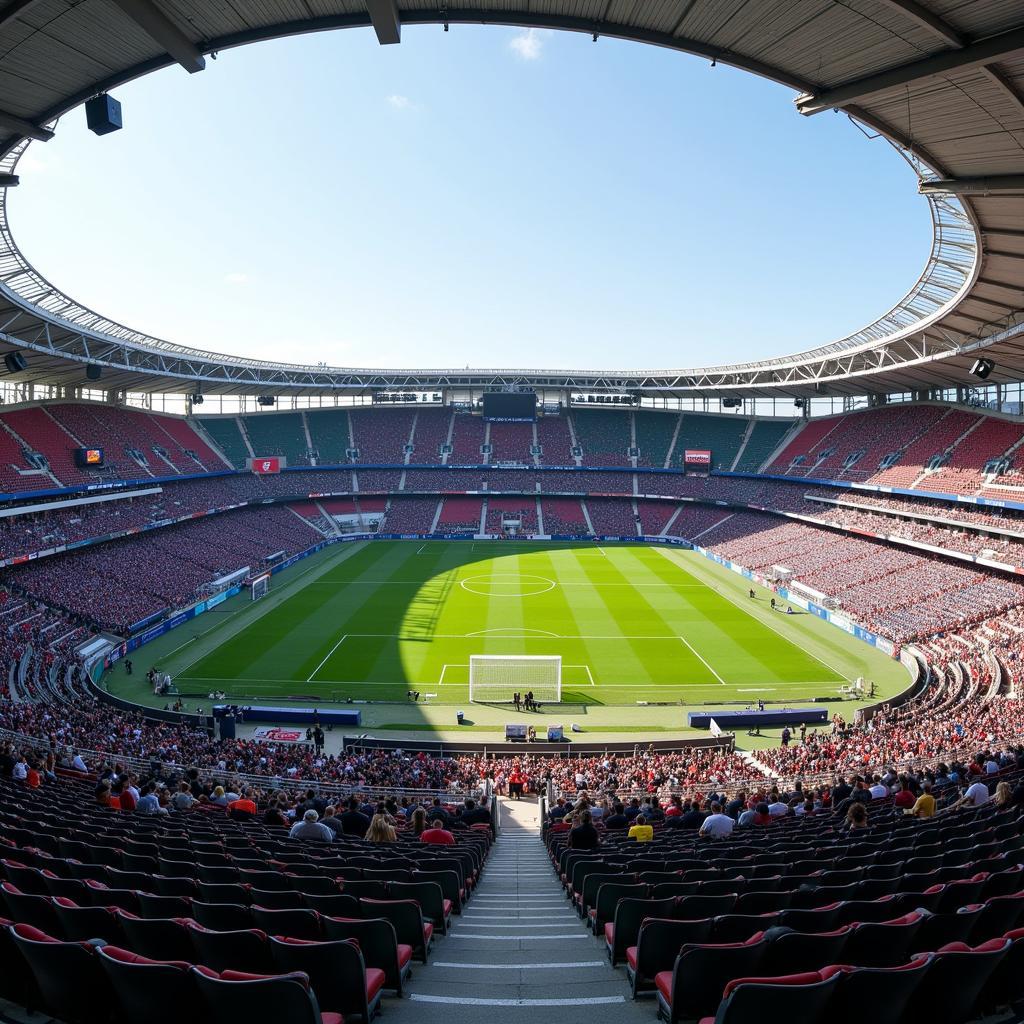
[234, 997]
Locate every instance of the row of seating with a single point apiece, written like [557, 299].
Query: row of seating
[96, 983]
[713, 928]
[944, 987]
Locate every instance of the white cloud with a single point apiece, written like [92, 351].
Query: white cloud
[400, 102]
[236, 277]
[527, 44]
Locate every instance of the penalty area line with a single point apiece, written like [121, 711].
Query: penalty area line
[309, 678]
[703, 661]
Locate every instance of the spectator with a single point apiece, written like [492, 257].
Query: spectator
[381, 830]
[583, 835]
[437, 834]
[856, 817]
[353, 821]
[640, 831]
[924, 806]
[311, 828]
[717, 825]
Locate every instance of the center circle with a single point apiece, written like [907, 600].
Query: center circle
[507, 584]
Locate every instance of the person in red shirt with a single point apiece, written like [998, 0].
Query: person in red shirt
[437, 834]
[516, 783]
[244, 805]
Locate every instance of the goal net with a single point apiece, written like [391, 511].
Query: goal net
[494, 678]
[260, 586]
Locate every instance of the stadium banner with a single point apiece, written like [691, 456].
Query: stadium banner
[697, 457]
[277, 734]
[266, 464]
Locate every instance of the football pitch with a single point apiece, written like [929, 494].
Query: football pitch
[632, 623]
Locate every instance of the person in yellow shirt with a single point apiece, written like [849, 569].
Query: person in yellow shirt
[641, 831]
[924, 807]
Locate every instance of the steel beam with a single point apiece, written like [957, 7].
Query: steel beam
[14, 10]
[26, 129]
[974, 55]
[386, 21]
[932, 22]
[993, 185]
[164, 32]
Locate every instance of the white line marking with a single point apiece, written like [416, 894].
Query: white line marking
[324, 662]
[463, 1001]
[466, 916]
[521, 938]
[419, 550]
[526, 634]
[519, 967]
[706, 664]
[510, 926]
[667, 554]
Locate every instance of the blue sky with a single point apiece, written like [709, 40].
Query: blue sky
[485, 196]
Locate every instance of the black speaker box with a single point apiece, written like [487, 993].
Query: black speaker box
[15, 362]
[93, 372]
[103, 115]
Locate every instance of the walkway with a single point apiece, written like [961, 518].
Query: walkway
[519, 946]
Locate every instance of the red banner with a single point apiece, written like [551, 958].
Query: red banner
[267, 464]
[697, 457]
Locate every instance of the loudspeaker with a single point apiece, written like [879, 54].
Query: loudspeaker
[265, 400]
[103, 114]
[982, 368]
[93, 372]
[15, 362]
[197, 399]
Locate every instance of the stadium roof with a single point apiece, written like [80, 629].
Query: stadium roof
[943, 80]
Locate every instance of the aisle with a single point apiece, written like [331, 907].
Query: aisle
[517, 946]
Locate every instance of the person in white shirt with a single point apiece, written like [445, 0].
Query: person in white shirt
[975, 796]
[717, 825]
[778, 808]
[879, 791]
[78, 764]
[20, 770]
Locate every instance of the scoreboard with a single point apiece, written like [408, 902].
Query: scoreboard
[89, 458]
[519, 406]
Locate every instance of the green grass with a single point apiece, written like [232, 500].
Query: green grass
[632, 623]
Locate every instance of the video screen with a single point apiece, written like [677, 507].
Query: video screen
[499, 405]
[89, 458]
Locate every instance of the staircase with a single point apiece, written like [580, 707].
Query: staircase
[518, 953]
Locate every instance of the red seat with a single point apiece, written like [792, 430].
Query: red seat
[237, 996]
[663, 983]
[375, 981]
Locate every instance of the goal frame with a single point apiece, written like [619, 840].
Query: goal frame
[545, 692]
[260, 587]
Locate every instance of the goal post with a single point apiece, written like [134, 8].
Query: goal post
[494, 678]
[260, 586]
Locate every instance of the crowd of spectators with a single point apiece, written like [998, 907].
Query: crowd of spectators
[122, 582]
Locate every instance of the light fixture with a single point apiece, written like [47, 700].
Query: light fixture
[982, 368]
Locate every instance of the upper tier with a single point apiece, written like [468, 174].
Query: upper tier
[922, 446]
